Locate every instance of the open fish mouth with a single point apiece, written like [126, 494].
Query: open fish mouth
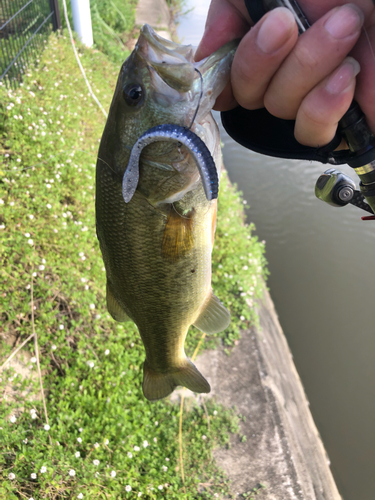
[192, 88]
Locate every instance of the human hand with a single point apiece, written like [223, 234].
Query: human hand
[307, 78]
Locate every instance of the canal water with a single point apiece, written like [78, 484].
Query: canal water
[322, 281]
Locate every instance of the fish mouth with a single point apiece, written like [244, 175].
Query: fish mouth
[171, 61]
[176, 78]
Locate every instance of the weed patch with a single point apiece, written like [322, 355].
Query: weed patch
[104, 440]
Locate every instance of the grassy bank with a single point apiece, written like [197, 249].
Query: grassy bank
[112, 26]
[103, 439]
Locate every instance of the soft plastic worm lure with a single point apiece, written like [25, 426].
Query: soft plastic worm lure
[175, 133]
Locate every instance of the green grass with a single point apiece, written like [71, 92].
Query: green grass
[92, 365]
[112, 26]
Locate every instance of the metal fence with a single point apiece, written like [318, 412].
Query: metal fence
[24, 25]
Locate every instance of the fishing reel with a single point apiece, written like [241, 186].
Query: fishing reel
[338, 190]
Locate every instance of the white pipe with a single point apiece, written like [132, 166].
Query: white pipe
[82, 21]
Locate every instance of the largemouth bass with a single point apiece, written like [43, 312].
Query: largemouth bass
[157, 245]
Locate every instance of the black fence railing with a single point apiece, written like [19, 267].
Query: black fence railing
[24, 25]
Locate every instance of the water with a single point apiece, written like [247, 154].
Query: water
[322, 281]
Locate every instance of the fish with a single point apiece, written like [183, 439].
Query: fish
[157, 243]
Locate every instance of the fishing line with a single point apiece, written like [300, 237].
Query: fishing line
[68, 151]
[79, 62]
[178, 213]
[200, 98]
[369, 42]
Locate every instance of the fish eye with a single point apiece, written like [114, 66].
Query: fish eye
[133, 94]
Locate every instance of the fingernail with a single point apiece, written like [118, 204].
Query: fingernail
[346, 21]
[344, 76]
[275, 30]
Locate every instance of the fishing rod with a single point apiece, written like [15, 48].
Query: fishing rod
[333, 186]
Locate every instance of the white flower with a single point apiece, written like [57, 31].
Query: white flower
[80, 429]
[136, 448]
[43, 469]
[13, 419]
[113, 473]
[106, 442]
[80, 495]
[79, 440]
[77, 454]
[160, 487]
[145, 444]
[91, 364]
[165, 468]
[72, 472]
[167, 459]
[215, 412]
[61, 327]
[11, 476]
[31, 216]
[31, 498]
[41, 267]
[33, 475]
[204, 437]
[92, 306]
[242, 318]
[25, 440]
[128, 487]
[96, 445]
[47, 427]
[130, 454]
[156, 423]
[140, 494]
[96, 462]
[54, 347]
[30, 241]
[106, 352]
[155, 440]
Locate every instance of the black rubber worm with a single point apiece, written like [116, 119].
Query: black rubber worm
[176, 133]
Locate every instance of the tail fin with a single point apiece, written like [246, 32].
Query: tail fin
[158, 385]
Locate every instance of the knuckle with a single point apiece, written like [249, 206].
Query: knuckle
[305, 58]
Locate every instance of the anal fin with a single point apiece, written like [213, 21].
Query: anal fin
[214, 317]
[114, 308]
[157, 385]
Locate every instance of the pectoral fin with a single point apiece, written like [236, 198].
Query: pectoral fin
[158, 385]
[114, 308]
[178, 235]
[214, 317]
